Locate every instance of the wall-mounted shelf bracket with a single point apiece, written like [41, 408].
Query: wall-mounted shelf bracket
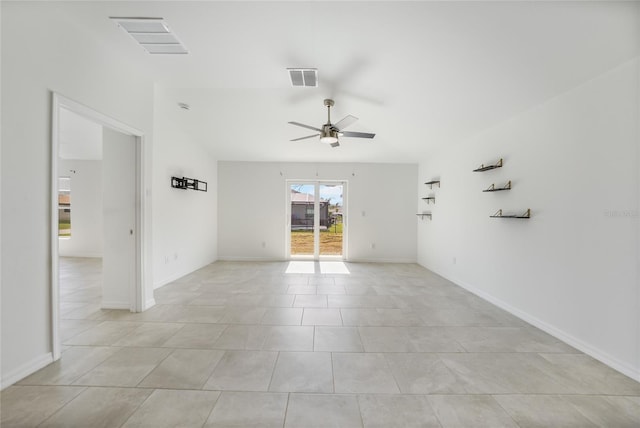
[431, 183]
[489, 167]
[493, 187]
[188, 183]
[423, 215]
[499, 214]
[430, 199]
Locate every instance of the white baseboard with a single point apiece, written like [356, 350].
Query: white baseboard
[81, 255]
[114, 304]
[250, 259]
[598, 354]
[151, 302]
[26, 369]
[168, 279]
[178, 275]
[367, 260]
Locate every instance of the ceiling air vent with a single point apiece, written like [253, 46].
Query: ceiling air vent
[303, 76]
[153, 34]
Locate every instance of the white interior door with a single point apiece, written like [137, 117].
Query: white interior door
[119, 218]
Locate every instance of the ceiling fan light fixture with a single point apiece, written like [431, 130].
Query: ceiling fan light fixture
[328, 136]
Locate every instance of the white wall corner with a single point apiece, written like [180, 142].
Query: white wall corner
[600, 355]
[26, 369]
[150, 303]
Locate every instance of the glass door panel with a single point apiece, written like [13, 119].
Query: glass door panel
[331, 219]
[303, 219]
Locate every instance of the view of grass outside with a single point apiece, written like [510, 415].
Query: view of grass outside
[330, 241]
[64, 229]
[327, 213]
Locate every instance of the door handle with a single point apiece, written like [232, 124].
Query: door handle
[130, 231]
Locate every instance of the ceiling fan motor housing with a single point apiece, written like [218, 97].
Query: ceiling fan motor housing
[329, 134]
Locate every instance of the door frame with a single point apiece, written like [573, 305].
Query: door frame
[316, 220]
[138, 298]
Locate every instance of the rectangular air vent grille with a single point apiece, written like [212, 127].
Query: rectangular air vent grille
[153, 34]
[303, 76]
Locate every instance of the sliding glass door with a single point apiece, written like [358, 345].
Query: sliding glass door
[316, 217]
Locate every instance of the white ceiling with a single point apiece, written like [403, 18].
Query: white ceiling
[421, 75]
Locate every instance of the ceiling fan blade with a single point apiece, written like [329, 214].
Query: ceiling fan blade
[304, 138]
[347, 121]
[336, 144]
[306, 126]
[357, 134]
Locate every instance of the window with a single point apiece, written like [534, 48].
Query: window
[64, 207]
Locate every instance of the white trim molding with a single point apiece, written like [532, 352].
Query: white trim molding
[26, 369]
[143, 274]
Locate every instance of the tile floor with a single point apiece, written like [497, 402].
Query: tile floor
[258, 344]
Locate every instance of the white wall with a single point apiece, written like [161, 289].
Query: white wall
[86, 208]
[252, 207]
[42, 52]
[184, 221]
[571, 269]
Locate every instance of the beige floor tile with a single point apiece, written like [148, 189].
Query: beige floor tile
[586, 375]
[183, 369]
[288, 338]
[28, 406]
[608, 411]
[362, 373]
[248, 409]
[488, 373]
[305, 301]
[506, 339]
[423, 374]
[243, 371]
[461, 411]
[242, 337]
[315, 316]
[166, 408]
[408, 338]
[337, 339]
[322, 410]
[127, 367]
[542, 411]
[243, 315]
[282, 316]
[303, 372]
[302, 289]
[104, 334]
[71, 328]
[98, 408]
[149, 334]
[331, 289]
[407, 411]
[196, 336]
[75, 362]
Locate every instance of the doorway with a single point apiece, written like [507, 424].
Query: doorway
[316, 219]
[119, 190]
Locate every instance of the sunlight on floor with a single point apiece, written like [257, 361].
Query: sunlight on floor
[334, 268]
[301, 267]
[311, 267]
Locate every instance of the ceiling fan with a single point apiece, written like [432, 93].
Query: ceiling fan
[329, 132]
